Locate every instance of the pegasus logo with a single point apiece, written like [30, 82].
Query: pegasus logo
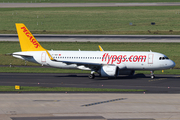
[31, 38]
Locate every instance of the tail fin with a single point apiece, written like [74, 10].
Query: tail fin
[27, 41]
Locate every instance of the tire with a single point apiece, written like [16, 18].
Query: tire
[152, 76]
[91, 76]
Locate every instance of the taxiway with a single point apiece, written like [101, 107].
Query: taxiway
[161, 84]
[97, 38]
[23, 5]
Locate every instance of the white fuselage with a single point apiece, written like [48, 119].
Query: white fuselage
[123, 59]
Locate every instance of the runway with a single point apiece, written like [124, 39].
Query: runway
[161, 84]
[100, 106]
[96, 38]
[22, 5]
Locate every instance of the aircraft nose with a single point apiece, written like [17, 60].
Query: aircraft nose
[172, 64]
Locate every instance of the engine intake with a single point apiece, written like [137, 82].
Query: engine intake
[109, 71]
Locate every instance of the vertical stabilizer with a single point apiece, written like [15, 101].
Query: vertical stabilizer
[27, 41]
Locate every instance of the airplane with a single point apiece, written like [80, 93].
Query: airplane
[105, 63]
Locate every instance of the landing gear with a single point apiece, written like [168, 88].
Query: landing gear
[91, 76]
[152, 75]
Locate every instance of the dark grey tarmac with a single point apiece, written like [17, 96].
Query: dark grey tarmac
[161, 84]
[96, 38]
[23, 5]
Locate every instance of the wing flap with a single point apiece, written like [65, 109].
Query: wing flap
[79, 63]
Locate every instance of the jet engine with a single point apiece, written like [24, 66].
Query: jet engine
[109, 71]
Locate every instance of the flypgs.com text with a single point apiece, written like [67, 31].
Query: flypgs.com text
[110, 59]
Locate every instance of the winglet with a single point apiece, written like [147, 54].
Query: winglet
[100, 48]
[27, 41]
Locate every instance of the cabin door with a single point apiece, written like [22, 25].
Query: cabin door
[150, 58]
[43, 57]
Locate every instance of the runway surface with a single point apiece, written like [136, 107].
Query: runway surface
[161, 84]
[22, 5]
[96, 38]
[89, 106]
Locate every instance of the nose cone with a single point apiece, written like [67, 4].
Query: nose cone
[172, 64]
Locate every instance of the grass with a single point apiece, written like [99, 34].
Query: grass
[65, 89]
[166, 72]
[93, 20]
[84, 1]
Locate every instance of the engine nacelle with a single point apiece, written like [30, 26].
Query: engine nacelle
[109, 71]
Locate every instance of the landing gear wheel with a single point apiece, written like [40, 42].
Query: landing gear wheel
[91, 76]
[152, 76]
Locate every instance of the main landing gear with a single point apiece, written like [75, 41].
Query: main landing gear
[91, 76]
[152, 75]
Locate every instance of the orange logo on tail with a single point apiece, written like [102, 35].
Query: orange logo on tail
[31, 38]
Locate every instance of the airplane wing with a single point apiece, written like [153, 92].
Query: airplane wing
[79, 63]
[83, 65]
[100, 48]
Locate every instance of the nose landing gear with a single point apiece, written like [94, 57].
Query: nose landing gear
[152, 75]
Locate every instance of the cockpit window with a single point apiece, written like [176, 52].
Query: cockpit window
[163, 58]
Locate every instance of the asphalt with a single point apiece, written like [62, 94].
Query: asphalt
[89, 106]
[96, 38]
[161, 84]
[23, 5]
